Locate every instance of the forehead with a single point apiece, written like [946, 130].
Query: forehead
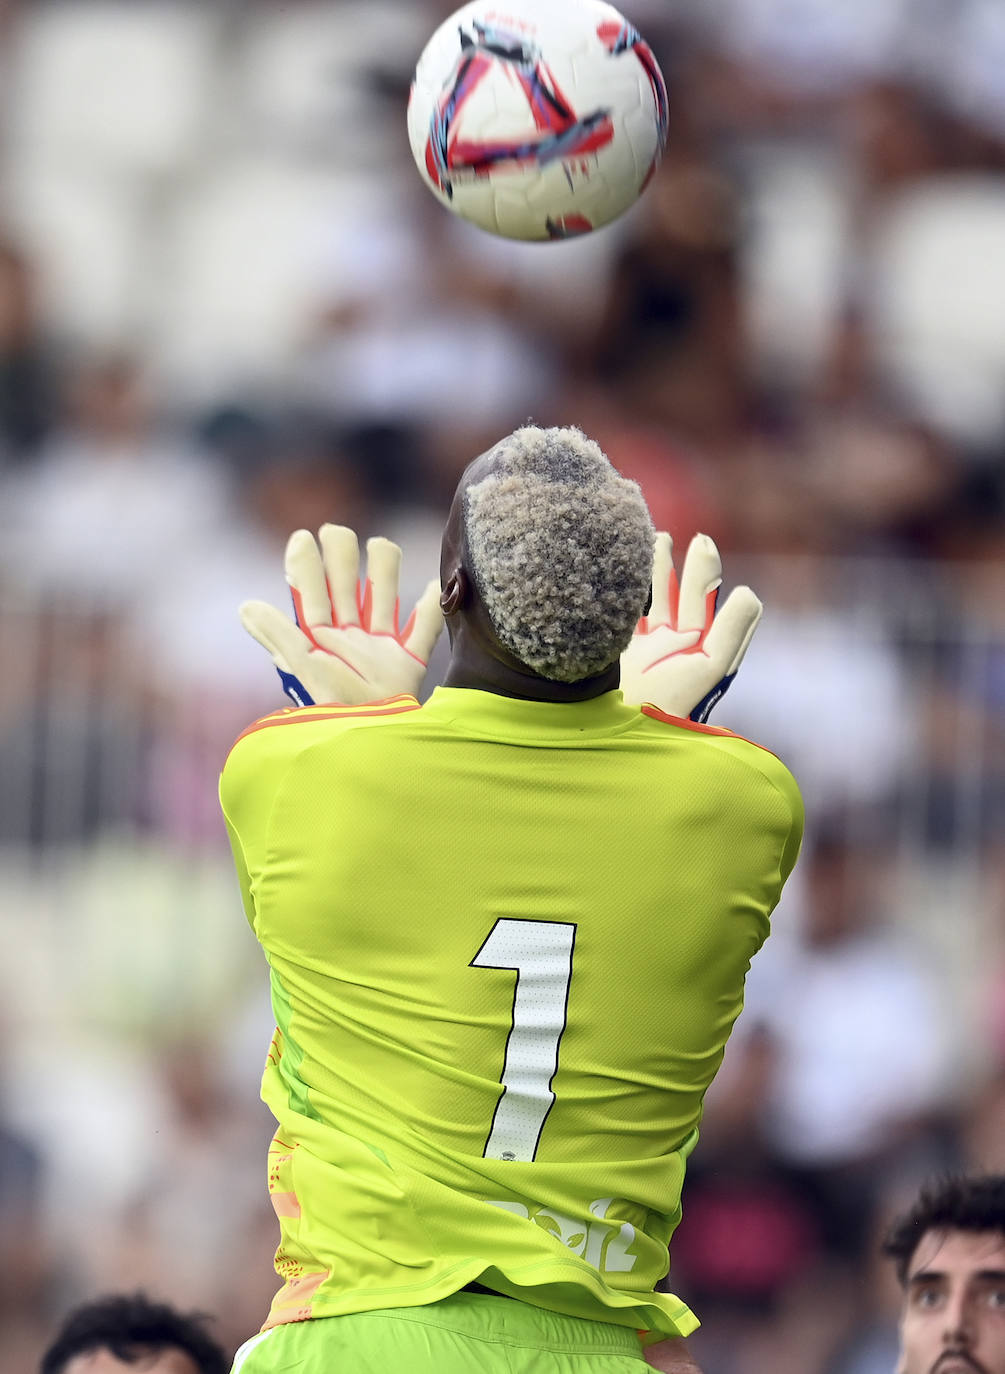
[104, 1362]
[958, 1253]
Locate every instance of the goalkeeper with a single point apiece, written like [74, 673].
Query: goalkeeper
[507, 930]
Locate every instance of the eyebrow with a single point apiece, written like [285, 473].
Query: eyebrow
[931, 1275]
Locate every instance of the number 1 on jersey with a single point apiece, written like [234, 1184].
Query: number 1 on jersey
[541, 954]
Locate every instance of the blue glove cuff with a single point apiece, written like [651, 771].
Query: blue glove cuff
[295, 689]
[703, 710]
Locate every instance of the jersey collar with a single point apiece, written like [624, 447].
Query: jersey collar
[498, 717]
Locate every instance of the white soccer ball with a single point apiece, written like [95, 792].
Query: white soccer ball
[537, 119]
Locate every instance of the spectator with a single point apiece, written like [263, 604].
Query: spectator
[26, 367]
[25, 1268]
[750, 1249]
[860, 1044]
[119, 499]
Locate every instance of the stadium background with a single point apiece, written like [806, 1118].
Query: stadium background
[229, 308]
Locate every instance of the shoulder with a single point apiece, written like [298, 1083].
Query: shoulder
[275, 740]
[712, 741]
[326, 720]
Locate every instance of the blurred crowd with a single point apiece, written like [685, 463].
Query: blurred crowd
[229, 308]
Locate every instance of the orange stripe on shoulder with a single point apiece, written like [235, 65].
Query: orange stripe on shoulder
[657, 714]
[304, 715]
[650, 710]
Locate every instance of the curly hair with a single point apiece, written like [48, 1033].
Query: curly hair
[133, 1327]
[561, 548]
[973, 1203]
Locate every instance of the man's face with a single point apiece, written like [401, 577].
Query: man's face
[954, 1309]
[156, 1362]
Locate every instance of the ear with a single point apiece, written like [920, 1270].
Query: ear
[454, 595]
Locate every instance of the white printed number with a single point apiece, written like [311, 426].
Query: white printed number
[541, 954]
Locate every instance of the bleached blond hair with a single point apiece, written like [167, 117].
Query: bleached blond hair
[561, 548]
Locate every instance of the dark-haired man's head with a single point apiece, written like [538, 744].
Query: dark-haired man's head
[131, 1334]
[949, 1253]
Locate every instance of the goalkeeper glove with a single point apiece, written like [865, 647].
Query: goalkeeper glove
[345, 648]
[683, 656]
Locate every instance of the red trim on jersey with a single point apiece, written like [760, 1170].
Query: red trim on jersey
[649, 709]
[654, 711]
[297, 715]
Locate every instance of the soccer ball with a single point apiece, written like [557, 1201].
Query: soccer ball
[537, 119]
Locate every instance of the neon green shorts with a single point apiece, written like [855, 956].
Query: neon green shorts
[463, 1333]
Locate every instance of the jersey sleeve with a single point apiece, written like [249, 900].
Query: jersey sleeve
[789, 789]
[241, 864]
[254, 771]
[772, 770]
[785, 805]
[251, 774]
[786, 789]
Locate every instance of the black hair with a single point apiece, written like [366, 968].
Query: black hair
[973, 1202]
[132, 1326]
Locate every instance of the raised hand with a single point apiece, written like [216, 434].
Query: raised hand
[683, 655]
[346, 647]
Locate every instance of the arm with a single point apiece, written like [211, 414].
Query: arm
[240, 863]
[672, 1357]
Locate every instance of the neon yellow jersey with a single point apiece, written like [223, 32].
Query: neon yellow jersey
[508, 942]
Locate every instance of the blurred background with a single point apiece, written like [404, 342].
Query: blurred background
[229, 308]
